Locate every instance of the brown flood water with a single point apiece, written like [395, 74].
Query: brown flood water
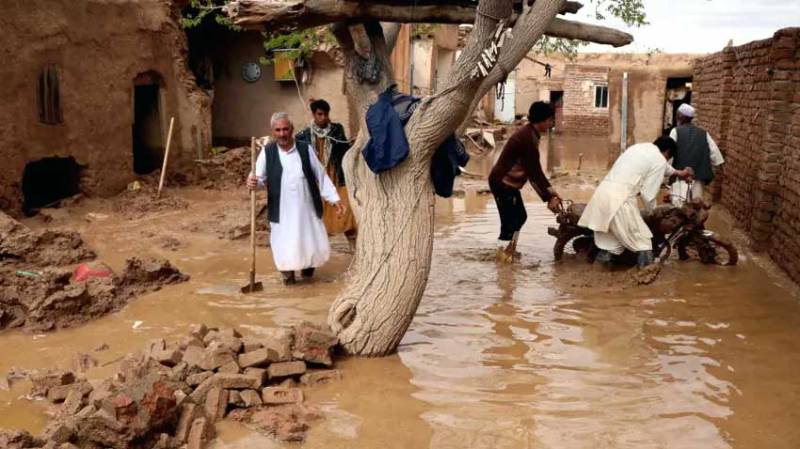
[498, 356]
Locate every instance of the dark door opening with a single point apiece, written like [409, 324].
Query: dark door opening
[678, 92]
[557, 101]
[148, 149]
[48, 180]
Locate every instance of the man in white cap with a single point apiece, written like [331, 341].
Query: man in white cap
[696, 149]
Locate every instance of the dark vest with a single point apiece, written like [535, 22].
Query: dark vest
[274, 171]
[693, 151]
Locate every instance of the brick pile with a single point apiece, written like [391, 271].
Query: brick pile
[170, 394]
[748, 97]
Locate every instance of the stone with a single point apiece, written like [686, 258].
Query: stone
[210, 336]
[196, 379]
[214, 357]
[59, 431]
[168, 356]
[250, 398]
[234, 345]
[235, 381]
[198, 331]
[321, 377]
[258, 357]
[190, 340]
[280, 340]
[59, 393]
[216, 404]
[281, 395]
[14, 439]
[73, 402]
[5, 385]
[193, 355]
[258, 373]
[250, 344]
[179, 372]
[229, 368]
[86, 411]
[313, 344]
[202, 432]
[101, 347]
[44, 381]
[189, 412]
[102, 428]
[286, 369]
[198, 396]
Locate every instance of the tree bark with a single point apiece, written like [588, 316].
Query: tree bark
[294, 14]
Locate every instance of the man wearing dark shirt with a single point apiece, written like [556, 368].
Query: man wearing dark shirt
[519, 163]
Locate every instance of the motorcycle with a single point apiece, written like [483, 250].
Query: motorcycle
[680, 228]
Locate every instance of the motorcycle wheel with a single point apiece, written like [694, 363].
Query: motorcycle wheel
[713, 249]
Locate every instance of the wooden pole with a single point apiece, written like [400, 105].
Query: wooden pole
[253, 216]
[166, 157]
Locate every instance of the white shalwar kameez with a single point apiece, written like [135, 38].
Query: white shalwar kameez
[299, 240]
[679, 193]
[613, 212]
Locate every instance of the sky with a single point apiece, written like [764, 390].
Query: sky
[699, 26]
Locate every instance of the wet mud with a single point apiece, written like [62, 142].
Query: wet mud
[530, 354]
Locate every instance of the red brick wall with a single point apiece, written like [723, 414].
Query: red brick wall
[748, 98]
[580, 114]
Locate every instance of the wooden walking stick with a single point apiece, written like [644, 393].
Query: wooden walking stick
[253, 286]
[166, 157]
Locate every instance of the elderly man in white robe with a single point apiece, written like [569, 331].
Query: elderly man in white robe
[296, 184]
[696, 149]
[613, 212]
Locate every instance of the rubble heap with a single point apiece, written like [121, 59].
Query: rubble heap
[170, 394]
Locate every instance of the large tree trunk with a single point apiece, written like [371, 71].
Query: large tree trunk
[394, 211]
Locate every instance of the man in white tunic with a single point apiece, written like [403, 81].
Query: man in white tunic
[296, 185]
[613, 212]
[696, 149]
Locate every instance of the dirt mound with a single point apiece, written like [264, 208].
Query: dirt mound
[223, 170]
[170, 394]
[232, 223]
[48, 299]
[21, 245]
[134, 204]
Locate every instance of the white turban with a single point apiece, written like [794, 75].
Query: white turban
[686, 110]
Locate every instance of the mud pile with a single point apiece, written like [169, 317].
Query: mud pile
[22, 246]
[38, 291]
[232, 223]
[136, 203]
[169, 395]
[223, 170]
[49, 299]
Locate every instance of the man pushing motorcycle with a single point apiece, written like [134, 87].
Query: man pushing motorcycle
[613, 213]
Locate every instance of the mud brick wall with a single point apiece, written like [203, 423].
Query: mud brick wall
[580, 113]
[748, 98]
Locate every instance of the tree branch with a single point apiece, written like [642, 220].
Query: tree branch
[570, 29]
[279, 15]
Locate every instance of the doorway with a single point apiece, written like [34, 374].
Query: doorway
[48, 180]
[148, 146]
[557, 101]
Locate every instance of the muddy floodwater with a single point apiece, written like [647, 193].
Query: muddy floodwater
[498, 356]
